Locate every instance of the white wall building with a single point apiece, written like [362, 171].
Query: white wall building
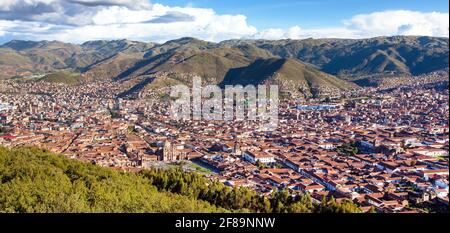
[254, 156]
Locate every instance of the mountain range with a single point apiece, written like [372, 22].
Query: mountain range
[308, 66]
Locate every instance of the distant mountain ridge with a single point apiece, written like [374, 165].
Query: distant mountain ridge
[47, 56]
[348, 57]
[120, 60]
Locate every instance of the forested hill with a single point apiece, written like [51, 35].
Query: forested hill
[37, 181]
[33, 180]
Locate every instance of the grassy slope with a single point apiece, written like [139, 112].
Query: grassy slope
[63, 77]
[113, 66]
[291, 73]
[10, 57]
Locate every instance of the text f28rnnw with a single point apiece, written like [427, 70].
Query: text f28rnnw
[234, 103]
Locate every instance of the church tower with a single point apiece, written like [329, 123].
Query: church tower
[168, 151]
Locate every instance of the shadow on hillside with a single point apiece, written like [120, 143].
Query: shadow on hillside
[136, 88]
[140, 65]
[256, 73]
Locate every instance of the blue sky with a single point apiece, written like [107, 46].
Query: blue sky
[216, 20]
[309, 13]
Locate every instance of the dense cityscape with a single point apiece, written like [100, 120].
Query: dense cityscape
[385, 147]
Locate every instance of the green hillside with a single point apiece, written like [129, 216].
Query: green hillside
[47, 56]
[209, 65]
[292, 75]
[62, 77]
[10, 57]
[112, 66]
[195, 57]
[37, 181]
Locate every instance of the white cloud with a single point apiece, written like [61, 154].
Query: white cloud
[70, 12]
[82, 20]
[298, 33]
[158, 23]
[271, 34]
[294, 32]
[399, 22]
[4, 25]
[385, 23]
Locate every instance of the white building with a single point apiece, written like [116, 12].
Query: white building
[255, 156]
